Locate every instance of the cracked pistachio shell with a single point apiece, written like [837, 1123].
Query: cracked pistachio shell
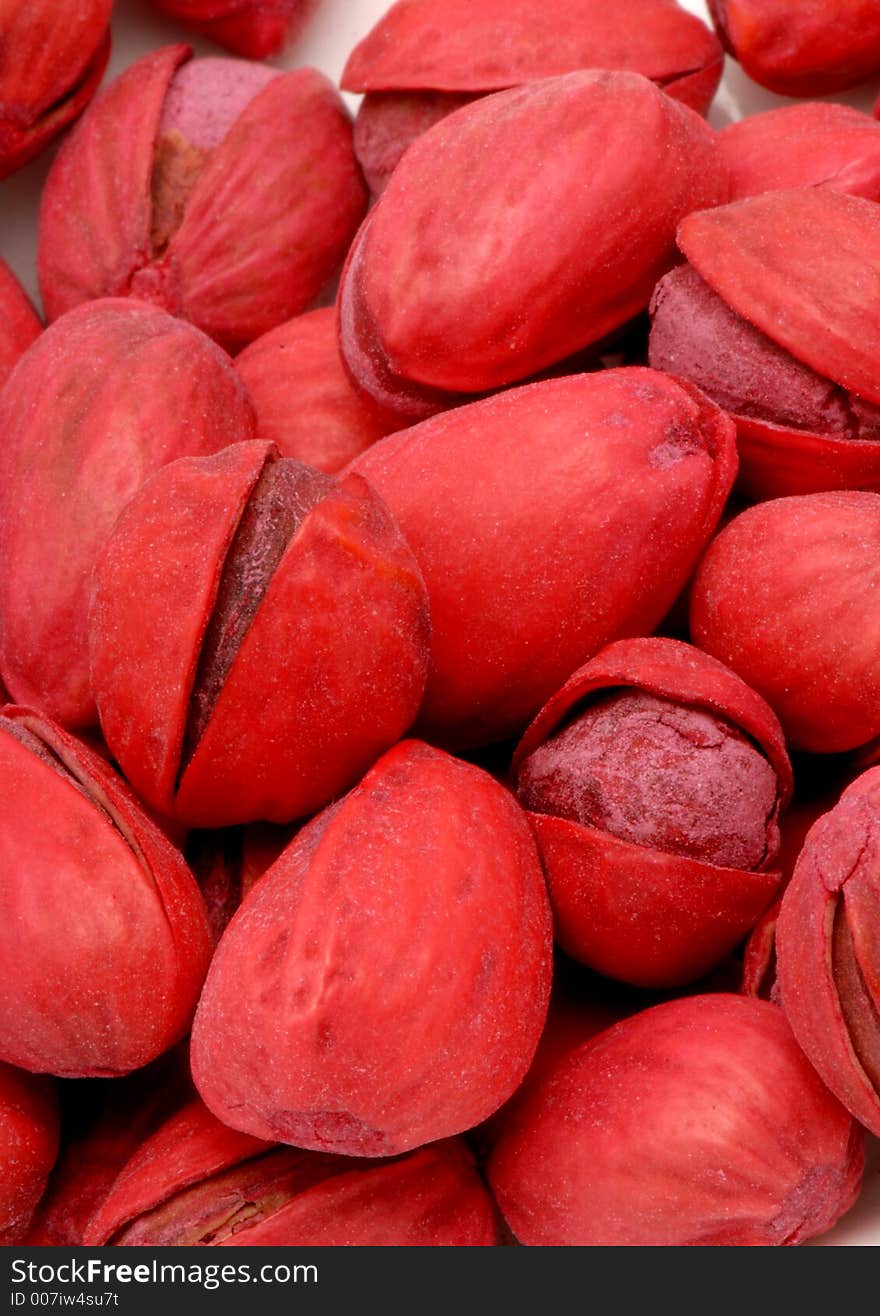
[259, 637]
[422, 61]
[385, 983]
[195, 1181]
[644, 914]
[828, 949]
[103, 933]
[451, 288]
[256, 230]
[784, 332]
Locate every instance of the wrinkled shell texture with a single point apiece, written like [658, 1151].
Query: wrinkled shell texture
[405, 935]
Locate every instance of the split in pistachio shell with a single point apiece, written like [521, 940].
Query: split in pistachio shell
[804, 47]
[102, 399]
[224, 191]
[776, 318]
[52, 56]
[655, 779]
[787, 595]
[828, 952]
[28, 1147]
[385, 983]
[698, 1122]
[103, 936]
[252, 28]
[449, 289]
[260, 635]
[587, 498]
[421, 60]
[197, 1182]
[104, 1122]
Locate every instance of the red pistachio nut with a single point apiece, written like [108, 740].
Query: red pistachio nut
[19, 322]
[450, 289]
[109, 1121]
[225, 191]
[52, 56]
[253, 28]
[103, 934]
[259, 637]
[803, 146]
[422, 61]
[697, 1122]
[828, 951]
[787, 597]
[304, 399]
[776, 318]
[104, 398]
[196, 1182]
[587, 498]
[385, 984]
[28, 1147]
[804, 47]
[655, 778]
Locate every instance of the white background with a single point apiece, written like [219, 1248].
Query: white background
[335, 28]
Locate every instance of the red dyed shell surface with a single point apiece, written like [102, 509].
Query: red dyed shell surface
[108, 1128]
[828, 949]
[104, 398]
[489, 45]
[804, 47]
[196, 1181]
[450, 288]
[587, 498]
[223, 257]
[795, 276]
[697, 1122]
[103, 936]
[647, 915]
[19, 322]
[276, 644]
[253, 28]
[803, 146]
[385, 984]
[305, 402]
[28, 1147]
[787, 597]
[420, 62]
[52, 56]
